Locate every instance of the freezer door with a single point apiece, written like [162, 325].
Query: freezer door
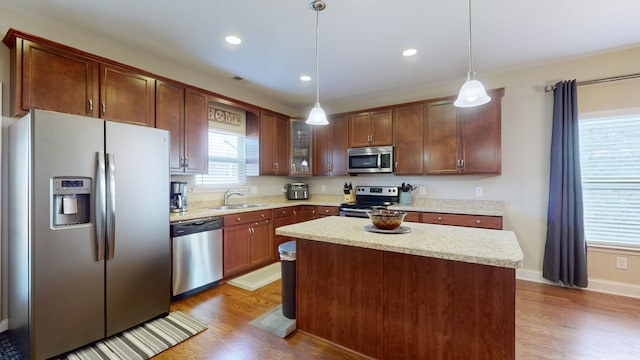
[67, 294]
[138, 252]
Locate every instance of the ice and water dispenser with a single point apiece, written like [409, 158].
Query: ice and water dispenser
[71, 200]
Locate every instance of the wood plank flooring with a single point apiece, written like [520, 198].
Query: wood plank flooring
[551, 323]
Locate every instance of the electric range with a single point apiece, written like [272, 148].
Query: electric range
[370, 198]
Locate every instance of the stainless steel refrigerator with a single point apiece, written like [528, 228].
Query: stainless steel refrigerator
[89, 248]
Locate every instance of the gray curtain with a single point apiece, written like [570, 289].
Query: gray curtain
[565, 252]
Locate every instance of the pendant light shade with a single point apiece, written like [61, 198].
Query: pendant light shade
[472, 93]
[317, 116]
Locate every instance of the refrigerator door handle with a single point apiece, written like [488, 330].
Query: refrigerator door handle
[101, 211]
[111, 207]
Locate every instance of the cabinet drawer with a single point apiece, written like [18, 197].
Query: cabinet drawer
[327, 211]
[412, 216]
[247, 217]
[284, 212]
[477, 221]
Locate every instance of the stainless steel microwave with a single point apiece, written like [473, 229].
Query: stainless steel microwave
[377, 159]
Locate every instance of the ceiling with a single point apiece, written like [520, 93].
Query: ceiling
[360, 40]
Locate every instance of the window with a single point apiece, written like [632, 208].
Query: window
[226, 159]
[610, 165]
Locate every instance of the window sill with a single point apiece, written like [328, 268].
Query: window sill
[617, 248]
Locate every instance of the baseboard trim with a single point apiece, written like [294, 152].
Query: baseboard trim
[597, 285]
[4, 325]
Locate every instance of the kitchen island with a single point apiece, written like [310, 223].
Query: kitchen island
[437, 292]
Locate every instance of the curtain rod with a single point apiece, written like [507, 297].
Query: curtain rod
[597, 81]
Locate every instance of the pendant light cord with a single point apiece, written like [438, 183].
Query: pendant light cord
[470, 74]
[317, 67]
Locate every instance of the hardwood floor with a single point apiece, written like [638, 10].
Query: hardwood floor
[551, 323]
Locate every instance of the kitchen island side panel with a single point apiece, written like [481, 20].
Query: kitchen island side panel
[392, 305]
[339, 295]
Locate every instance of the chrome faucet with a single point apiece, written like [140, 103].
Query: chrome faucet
[227, 195]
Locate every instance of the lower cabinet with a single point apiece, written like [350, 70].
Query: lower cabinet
[247, 241]
[283, 216]
[477, 221]
[323, 211]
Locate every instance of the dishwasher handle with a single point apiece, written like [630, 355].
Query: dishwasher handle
[195, 226]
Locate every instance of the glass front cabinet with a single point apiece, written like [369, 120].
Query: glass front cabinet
[300, 149]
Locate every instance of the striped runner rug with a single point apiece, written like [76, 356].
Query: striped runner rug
[142, 342]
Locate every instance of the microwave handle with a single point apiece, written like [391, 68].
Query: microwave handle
[379, 161]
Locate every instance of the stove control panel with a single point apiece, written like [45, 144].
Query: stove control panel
[377, 190]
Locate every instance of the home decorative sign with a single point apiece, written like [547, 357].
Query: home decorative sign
[224, 116]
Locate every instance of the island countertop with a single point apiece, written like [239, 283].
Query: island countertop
[480, 246]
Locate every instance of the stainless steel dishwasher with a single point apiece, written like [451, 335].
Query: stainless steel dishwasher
[196, 256]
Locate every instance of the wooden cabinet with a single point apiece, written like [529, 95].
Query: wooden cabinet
[274, 144]
[323, 211]
[44, 77]
[170, 116]
[301, 154]
[371, 128]
[408, 140]
[463, 140]
[477, 221]
[247, 240]
[282, 217]
[126, 96]
[306, 213]
[50, 76]
[196, 129]
[413, 216]
[184, 113]
[330, 144]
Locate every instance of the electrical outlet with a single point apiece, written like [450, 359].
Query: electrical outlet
[254, 189]
[621, 263]
[479, 191]
[423, 190]
[323, 188]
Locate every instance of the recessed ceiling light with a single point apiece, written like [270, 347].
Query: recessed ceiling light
[305, 77]
[409, 52]
[232, 39]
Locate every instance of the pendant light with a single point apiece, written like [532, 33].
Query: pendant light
[472, 92]
[317, 115]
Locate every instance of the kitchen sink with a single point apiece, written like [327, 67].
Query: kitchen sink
[237, 206]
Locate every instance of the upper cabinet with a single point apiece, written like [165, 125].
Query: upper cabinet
[330, 144]
[49, 77]
[44, 77]
[463, 140]
[274, 144]
[371, 128]
[184, 112]
[408, 140]
[301, 151]
[170, 116]
[127, 96]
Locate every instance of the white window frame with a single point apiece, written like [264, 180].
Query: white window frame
[201, 181]
[619, 219]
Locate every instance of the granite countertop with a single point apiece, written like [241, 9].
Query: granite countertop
[198, 210]
[480, 246]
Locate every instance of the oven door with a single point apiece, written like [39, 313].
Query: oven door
[360, 213]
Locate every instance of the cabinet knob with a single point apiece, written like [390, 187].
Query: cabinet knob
[237, 219]
[90, 106]
[104, 108]
[439, 218]
[477, 221]
[262, 215]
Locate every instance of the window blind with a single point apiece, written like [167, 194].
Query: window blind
[226, 159]
[610, 169]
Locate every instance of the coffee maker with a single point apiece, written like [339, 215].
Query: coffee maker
[178, 197]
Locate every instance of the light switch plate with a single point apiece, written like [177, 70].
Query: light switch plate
[479, 191]
[423, 190]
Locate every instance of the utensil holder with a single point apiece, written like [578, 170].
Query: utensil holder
[406, 198]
